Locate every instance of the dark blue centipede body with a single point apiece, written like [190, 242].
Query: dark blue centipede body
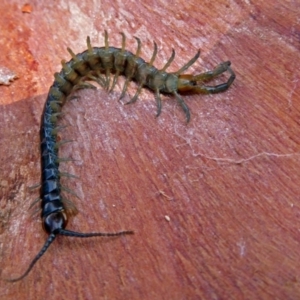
[98, 64]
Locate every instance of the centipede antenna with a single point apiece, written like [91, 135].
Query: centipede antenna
[48, 242]
[92, 234]
[188, 64]
[169, 61]
[153, 55]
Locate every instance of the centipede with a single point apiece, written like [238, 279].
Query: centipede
[99, 64]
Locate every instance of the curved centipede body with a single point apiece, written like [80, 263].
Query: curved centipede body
[98, 64]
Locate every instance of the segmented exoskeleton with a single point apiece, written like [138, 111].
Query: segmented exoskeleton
[97, 64]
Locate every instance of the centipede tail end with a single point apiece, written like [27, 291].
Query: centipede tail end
[70, 233]
[48, 242]
[93, 234]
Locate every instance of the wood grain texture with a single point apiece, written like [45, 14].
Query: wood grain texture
[228, 181]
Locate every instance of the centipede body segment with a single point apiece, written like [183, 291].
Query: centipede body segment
[98, 63]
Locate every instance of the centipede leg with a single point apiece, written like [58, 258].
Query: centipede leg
[158, 102]
[84, 85]
[129, 76]
[35, 202]
[89, 45]
[35, 212]
[73, 97]
[99, 79]
[59, 128]
[126, 83]
[188, 64]
[69, 175]
[114, 81]
[170, 60]
[62, 142]
[118, 71]
[135, 97]
[35, 186]
[107, 79]
[183, 106]
[153, 55]
[139, 47]
[64, 188]
[142, 83]
[107, 73]
[64, 159]
[69, 207]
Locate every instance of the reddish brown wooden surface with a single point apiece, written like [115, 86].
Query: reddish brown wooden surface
[229, 180]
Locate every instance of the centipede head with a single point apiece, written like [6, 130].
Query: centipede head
[188, 83]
